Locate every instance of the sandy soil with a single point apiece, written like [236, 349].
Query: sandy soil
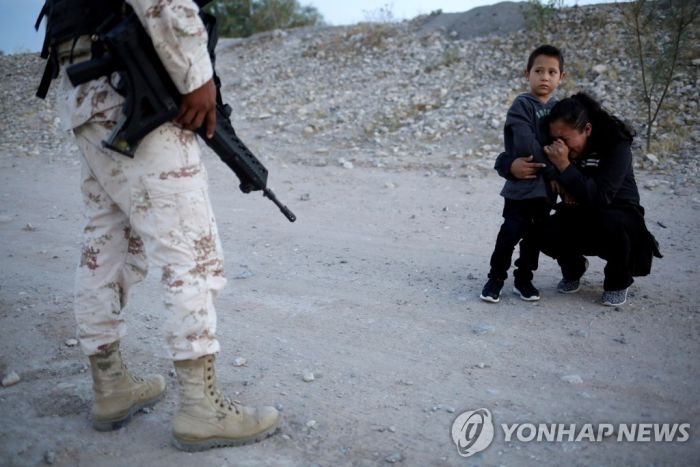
[375, 290]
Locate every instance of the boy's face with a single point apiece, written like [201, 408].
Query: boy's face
[544, 76]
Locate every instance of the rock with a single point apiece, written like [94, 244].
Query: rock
[600, 68]
[309, 131]
[651, 158]
[308, 377]
[572, 379]
[241, 272]
[305, 197]
[345, 163]
[29, 228]
[394, 458]
[239, 361]
[49, 457]
[312, 425]
[71, 342]
[579, 333]
[481, 329]
[10, 379]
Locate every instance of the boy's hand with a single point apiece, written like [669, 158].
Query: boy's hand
[198, 106]
[524, 169]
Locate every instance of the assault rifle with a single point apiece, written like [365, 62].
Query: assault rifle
[152, 99]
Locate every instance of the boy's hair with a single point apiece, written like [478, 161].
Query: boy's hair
[548, 50]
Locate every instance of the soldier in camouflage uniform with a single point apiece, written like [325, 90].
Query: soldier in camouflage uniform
[155, 206]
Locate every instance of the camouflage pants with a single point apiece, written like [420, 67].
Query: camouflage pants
[156, 207]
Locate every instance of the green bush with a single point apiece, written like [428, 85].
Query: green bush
[538, 14]
[242, 18]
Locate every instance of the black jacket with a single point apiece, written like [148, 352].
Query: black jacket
[603, 177]
[604, 180]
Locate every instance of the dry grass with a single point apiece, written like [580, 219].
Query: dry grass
[356, 40]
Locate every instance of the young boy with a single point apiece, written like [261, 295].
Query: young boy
[528, 198]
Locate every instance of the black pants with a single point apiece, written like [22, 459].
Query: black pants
[617, 234]
[520, 220]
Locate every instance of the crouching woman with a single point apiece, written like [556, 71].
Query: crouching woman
[602, 216]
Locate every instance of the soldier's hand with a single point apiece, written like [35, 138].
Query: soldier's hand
[524, 169]
[197, 107]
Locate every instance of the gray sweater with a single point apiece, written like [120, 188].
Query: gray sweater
[524, 134]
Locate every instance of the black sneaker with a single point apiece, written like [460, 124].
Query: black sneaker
[492, 291]
[526, 290]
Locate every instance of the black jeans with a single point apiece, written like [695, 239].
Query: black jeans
[610, 232]
[520, 220]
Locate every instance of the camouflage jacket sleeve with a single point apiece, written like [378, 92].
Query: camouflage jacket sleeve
[179, 38]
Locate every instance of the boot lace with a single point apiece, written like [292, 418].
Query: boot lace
[219, 399]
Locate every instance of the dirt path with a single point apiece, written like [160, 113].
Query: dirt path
[374, 290]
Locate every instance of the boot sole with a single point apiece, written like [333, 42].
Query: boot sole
[119, 422]
[211, 443]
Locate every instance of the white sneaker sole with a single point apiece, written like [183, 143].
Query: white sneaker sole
[523, 297]
[489, 299]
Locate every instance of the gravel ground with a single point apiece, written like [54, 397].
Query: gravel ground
[381, 138]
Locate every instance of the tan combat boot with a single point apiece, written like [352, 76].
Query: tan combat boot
[207, 420]
[118, 393]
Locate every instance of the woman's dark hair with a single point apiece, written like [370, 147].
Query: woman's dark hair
[580, 109]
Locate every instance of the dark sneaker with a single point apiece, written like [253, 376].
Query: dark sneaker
[565, 286]
[526, 290]
[571, 286]
[614, 297]
[492, 291]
